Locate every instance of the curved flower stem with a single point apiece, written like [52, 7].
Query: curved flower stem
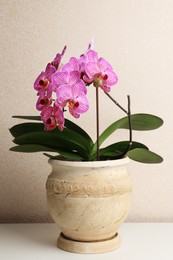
[97, 120]
[116, 103]
[129, 120]
[130, 126]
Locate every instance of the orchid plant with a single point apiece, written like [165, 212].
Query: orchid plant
[63, 88]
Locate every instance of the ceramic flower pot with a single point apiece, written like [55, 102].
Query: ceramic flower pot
[89, 201]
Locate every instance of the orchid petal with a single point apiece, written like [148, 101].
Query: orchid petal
[71, 65]
[92, 69]
[57, 60]
[46, 113]
[83, 59]
[73, 113]
[74, 77]
[37, 86]
[59, 117]
[60, 105]
[112, 78]
[105, 88]
[92, 56]
[64, 93]
[48, 119]
[78, 88]
[43, 102]
[83, 104]
[87, 79]
[61, 78]
[50, 70]
[104, 65]
[82, 67]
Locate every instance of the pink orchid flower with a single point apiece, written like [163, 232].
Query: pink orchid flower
[51, 117]
[74, 97]
[72, 65]
[102, 74]
[43, 101]
[69, 83]
[43, 81]
[75, 64]
[79, 65]
[68, 78]
[90, 56]
[57, 60]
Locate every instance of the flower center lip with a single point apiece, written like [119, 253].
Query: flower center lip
[49, 121]
[105, 77]
[73, 104]
[44, 101]
[43, 82]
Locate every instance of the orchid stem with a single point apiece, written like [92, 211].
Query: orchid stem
[130, 125]
[97, 121]
[129, 120]
[130, 129]
[116, 103]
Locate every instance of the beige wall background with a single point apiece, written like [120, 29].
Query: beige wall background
[137, 38]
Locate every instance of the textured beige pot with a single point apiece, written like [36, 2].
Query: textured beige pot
[89, 201]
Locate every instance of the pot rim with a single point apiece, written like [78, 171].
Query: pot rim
[95, 164]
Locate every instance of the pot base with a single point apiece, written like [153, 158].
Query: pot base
[89, 247]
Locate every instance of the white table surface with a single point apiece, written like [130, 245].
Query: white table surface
[140, 241]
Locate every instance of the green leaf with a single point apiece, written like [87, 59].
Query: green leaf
[74, 137]
[69, 124]
[37, 118]
[117, 150]
[35, 127]
[31, 148]
[121, 147]
[55, 141]
[144, 156]
[141, 122]
[25, 128]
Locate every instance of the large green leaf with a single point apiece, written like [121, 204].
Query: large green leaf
[121, 147]
[37, 118]
[55, 141]
[141, 122]
[71, 125]
[25, 128]
[117, 150]
[76, 138]
[68, 124]
[31, 148]
[144, 156]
